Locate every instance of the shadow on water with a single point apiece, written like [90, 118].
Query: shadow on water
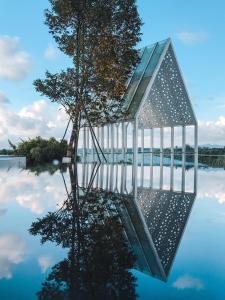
[110, 229]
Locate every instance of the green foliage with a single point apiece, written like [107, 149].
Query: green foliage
[39, 150]
[100, 37]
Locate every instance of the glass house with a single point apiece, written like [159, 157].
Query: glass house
[156, 97]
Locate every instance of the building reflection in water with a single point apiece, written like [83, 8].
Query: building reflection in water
[114, 220]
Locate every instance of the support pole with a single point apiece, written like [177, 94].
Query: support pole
[161, 156]
[196, 157]
[172, 159]
[135, 156]
[112, 143]
[183, 157]
[88, 145]
[123, 141]
[161, 145]
[142, 144]
[102, 138]
[125, 150]
[142, 139]
[117, 138]
[183, 144]
[84, 143]
[152, 146]
[108, 138]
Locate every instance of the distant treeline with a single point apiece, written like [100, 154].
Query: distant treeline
[39, 151]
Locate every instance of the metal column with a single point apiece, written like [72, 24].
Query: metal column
[102, 138]
[161, 156]
[151, 146]
[196, 157]
[112, 143]
[88, 145]
[183, 157]
[108, 138]
[172, 159]
[135, 156]
[84, 142]
[123, 141]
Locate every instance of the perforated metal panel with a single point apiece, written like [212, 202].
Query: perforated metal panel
[167, 103]
[166, 214]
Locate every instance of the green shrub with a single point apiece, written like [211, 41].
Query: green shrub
[39, 150]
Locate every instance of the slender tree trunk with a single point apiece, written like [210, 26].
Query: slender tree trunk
[73, 143]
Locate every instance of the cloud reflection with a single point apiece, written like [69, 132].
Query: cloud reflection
[188, 282]
[12, 252]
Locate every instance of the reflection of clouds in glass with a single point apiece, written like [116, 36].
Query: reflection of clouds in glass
[12, 252]
[45, 261]
[188, 282]
[37, 193]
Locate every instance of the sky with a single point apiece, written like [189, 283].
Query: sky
[27, 50]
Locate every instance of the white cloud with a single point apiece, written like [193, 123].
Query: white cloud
[192, 38]
[15, 64]
[188, 282]
[212, 132]
[12, 252]
[38, 119]
[51, 52]
[45, 261]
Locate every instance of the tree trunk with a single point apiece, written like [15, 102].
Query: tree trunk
[73, 143]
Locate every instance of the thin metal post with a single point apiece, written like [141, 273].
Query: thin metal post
[101, 175]
[112, 143]
[183, 157]
[152, 146]
[123, 142]
[172, 159]
[161, 144]
[196, 158]
[183, 144]
[125, 139]
[111, 177]
[87, 174]
[142, 145]
[84, 142]
[122, 183]
[135, 156]
[102, 138]
[161, 156]
[142, 139]
[117, 138]
[93, 147]
[196, 143]
[107, 177]
[151, 176]
[108, 138]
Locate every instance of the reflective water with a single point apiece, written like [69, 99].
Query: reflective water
[112, 232]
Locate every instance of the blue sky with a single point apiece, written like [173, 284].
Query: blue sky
[27, 50]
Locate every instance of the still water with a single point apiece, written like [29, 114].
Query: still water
[112, 232]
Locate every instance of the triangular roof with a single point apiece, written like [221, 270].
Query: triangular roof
[156, 92]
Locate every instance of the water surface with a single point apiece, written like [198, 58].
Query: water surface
[113, 232]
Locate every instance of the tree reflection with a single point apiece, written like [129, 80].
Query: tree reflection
[99, 259]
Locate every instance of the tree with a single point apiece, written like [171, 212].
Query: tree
[100, 36]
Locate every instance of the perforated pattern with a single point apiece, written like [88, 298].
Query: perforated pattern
[167, 103]
[165, 213]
